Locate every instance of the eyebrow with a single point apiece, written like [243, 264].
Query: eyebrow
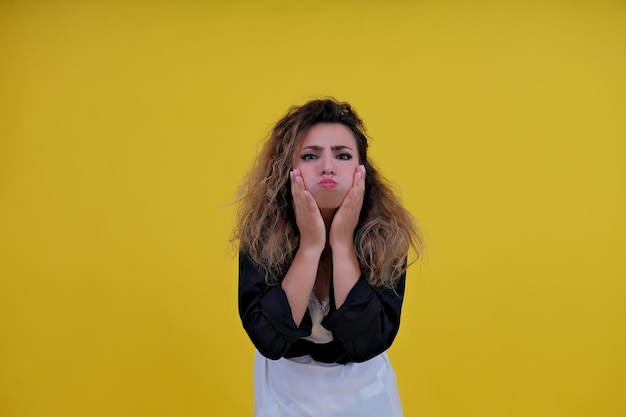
[319, 148]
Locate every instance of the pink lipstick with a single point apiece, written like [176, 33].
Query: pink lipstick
[327, 183]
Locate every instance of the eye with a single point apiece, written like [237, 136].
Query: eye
[344, 156]
[308, 157]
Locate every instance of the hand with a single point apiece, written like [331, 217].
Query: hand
[347, 216]
[308, 217]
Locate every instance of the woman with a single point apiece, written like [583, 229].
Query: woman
[323, 246]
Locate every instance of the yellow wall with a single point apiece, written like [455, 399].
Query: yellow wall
[125, 129]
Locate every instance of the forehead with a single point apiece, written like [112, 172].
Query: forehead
[327, 135]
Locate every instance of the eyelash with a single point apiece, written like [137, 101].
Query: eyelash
[341, 156]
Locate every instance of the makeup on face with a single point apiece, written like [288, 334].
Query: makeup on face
[327, 159]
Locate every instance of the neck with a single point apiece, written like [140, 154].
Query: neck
[328, 215]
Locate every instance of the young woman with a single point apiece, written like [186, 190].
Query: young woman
[323, 246]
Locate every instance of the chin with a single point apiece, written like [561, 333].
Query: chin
[328, 204]
[328, 207]
[329, 200]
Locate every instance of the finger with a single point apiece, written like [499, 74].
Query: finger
[294, 184]
[358, 186]
[363, 173]
[293, 174]
[299, 181]
[349, 203]
[360, 175]
[354, 198]
[310, 201]
[302, 198]
[297, 191]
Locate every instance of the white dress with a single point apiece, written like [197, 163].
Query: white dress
[303, 387]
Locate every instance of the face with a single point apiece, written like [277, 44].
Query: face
[327, 156]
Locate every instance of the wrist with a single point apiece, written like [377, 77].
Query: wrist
[342, 247]
[310, 250]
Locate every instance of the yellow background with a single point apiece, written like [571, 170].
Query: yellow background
[125, 129]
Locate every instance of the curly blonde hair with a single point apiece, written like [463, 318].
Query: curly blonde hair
[266, 225]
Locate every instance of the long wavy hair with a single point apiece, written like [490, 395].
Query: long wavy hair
[266, 225]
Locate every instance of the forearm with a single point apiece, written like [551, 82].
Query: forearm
[346, 271]
[368, 321]
[299, 280]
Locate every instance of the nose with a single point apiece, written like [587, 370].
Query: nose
[328, 166]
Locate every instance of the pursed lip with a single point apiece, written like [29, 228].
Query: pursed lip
[327, 183]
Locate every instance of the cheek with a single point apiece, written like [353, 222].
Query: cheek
[304, 171]
[308, 179]
[301, 165]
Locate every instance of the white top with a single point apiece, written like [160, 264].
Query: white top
[318, 310]
[303, 387]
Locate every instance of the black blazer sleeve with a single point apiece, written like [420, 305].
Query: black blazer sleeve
[265, 312]
[364, 326]
[368, 321]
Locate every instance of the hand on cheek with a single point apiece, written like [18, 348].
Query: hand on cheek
[347, 216]
[308, 217]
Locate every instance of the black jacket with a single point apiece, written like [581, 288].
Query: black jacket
[364, 326]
